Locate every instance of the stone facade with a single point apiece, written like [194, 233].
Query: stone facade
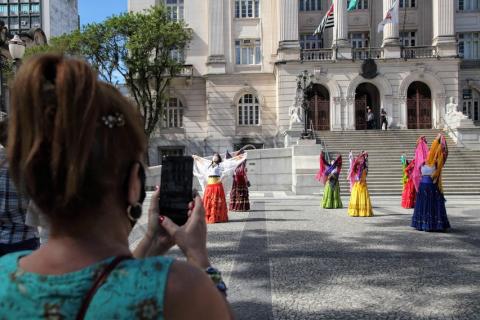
[59, 17]
[222, 29]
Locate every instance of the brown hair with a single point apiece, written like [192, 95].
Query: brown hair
[60, 150]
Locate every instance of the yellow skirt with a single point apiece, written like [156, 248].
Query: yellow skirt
[360, 205]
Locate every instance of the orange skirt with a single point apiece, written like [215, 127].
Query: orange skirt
[215, 203]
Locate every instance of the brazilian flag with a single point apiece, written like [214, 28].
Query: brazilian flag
[352, 5]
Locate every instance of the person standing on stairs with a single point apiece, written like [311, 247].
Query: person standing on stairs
[383, 118]
[328, 175]
[350, 160]
[370, 119]
[430, 213]
[360, 204]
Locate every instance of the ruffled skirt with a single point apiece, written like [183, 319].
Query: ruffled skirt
[215, 203]
[239, 200]
[409, 195]
[360, 205]
[430, 213]
[331, 196]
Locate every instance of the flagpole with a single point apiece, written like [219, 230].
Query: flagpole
[402, 42]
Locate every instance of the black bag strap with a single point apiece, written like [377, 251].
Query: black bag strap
[99, 281]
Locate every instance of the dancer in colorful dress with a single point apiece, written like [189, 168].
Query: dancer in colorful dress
[210, 174]
[360, 204]
[409, 192]
[430, 213]
[328, 175]
[239, 200]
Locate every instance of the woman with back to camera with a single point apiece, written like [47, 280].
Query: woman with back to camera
[76, 147]
[360, 204]
[430, 213]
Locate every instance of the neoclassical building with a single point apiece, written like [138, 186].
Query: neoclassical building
[242, 66]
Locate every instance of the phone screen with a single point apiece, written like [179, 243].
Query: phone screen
[176, 187]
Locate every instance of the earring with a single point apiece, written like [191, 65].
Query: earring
[134, 212]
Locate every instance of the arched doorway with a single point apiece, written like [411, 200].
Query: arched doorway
[419, 106]
[319, 107]
[366, 95]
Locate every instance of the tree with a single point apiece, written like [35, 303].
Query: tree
[137, 47]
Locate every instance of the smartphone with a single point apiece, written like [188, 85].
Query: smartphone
[176, 187]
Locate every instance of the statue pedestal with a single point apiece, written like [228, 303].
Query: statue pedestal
[462, 130]
[292, 136]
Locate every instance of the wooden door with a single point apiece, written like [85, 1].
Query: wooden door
[361, 113]
[419, 112]
[319, 113]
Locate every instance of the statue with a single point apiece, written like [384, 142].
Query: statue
[296, 111]
[452, 109]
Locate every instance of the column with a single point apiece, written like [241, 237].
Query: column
[444, 28]
[340, 31]
[391, 43]
[340, 43]
[216, 47]
[289, 46]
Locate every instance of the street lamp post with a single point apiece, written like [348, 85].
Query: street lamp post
[303, 81]
[17, 50]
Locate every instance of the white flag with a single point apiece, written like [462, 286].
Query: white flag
[391, 16]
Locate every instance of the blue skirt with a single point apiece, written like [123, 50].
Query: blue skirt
[430, 213]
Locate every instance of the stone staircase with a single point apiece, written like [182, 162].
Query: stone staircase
[461, 173]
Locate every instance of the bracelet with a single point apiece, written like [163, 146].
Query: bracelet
[216, 277]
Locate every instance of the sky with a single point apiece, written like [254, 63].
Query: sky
[99, 10]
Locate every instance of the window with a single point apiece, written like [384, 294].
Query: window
[175, 9]
[247, 8]
[35, 22]
[359, 40]
[177, 55]
[35, 8]
[14, 23]
[361, 4]
[310, 5]
[248, 52]
[169, 151]
[469, 45]
[408, 38]
[468, 5]
[25, 23]
[309, 41]
[14, 9]
[3, 10]
[248, 110]
[407, 3]
[24, 8]
[173, 117]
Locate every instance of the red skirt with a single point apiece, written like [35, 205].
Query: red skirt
[215, 203]
[239, 197]
[409, 195]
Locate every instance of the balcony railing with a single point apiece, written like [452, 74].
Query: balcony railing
[367, 53]
[187, 71]
[419, 52]
[317, 55]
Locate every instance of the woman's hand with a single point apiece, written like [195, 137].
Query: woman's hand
[156, 240]
[191, 238]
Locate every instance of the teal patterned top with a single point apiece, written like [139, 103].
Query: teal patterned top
[134, 290]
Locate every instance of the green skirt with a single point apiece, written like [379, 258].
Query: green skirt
[331, 196]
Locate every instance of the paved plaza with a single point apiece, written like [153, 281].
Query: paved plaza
[288, 259]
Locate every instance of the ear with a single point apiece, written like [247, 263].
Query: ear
[134, 185]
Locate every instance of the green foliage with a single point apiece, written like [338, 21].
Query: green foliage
[135, 46]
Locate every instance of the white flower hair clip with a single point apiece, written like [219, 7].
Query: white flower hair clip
[114, 120]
